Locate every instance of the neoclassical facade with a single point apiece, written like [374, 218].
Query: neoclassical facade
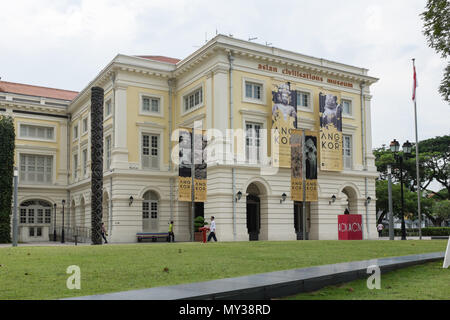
[225, 86]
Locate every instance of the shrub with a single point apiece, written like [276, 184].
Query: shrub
[7, 145]
[426, 232]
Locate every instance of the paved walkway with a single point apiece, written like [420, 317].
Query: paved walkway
[272, 284]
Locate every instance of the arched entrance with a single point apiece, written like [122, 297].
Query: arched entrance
[349, 199]
[253, 212]
[150, 208]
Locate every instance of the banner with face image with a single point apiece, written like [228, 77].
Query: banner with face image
[284, 120]
[200, 142]
[310, 165]
[185, 164]
[330, 113]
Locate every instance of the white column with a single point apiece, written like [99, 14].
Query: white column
[119, 153]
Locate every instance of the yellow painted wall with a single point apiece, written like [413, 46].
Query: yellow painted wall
[270, 82]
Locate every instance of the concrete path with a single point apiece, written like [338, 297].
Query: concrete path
[272, 284]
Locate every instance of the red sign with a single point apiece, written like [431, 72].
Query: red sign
[350, 227]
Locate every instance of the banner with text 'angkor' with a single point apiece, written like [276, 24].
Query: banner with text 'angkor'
[330, 113]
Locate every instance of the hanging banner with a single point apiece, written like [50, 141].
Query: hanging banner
[184, 168]
[310, 165]
[200, 142]
[330, 113]
[284, 120]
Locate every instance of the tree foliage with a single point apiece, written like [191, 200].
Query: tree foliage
[436, 29]
[434, 165]
[7, 145]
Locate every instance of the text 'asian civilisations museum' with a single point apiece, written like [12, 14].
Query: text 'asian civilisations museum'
[241, 110]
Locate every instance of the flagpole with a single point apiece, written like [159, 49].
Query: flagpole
[417, 152]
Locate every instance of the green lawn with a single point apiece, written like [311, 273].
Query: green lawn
[40, 272]
[422, 282]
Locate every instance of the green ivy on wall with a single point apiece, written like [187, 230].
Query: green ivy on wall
[7, 145]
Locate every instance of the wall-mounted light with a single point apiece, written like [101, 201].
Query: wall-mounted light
[333, 199]
[283, 198]
[238, 196]
[368, 200]
[131, 201]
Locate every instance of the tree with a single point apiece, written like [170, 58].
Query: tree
[441, 210]
[436, 29]
[434, 165]
[7, 144]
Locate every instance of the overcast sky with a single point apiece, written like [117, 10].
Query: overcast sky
[65, 43]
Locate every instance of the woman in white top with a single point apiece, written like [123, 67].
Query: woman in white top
[212, 230]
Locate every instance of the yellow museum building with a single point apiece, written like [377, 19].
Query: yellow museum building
[225, 85]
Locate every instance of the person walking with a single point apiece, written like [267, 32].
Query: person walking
[104, 234]
[380, 228]
[212, 230]
[171, 234]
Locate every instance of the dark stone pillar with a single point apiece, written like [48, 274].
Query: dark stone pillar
[97, 95]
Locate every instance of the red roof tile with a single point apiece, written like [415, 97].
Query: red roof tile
[161, 59]
[37, 91]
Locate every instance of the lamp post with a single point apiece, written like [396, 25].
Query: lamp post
[15, 225]
[62, 231]
[395, 148]
[54, 222]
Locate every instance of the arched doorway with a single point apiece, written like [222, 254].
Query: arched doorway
[349, 199]
[35, 220]
[253, 212]
[150, 208]
[82, 213]
[105, 211]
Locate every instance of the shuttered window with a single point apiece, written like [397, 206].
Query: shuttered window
[150, 151]
[36, 168]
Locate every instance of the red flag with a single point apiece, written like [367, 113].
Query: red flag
[414, 82]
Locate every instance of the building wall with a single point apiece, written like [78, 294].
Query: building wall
[127, 79]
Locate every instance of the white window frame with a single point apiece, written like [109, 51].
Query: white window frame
[108, 152]
[344, 156]
[159, 150]
[249, 158]
[83, 129]
[351, 114]
[262, 100]
[106, 114]
[192, 93]
[32, 153]
[76, 133]
[143, 112]
[84, 156]
[20, 136]
[256, 117]
[75, 167]
[310, 93]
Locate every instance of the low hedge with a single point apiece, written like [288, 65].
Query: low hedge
[427, 232]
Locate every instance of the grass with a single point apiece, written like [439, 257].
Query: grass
[40, 272]
[423, 282]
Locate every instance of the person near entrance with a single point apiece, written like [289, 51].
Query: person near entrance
[212, 230]
[171, 234]
[104, 234]
[380, 228]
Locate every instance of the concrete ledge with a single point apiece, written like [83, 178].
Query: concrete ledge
[269, 285]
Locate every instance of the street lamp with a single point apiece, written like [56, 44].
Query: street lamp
[54, 223]
[62, 232]
[395, 148]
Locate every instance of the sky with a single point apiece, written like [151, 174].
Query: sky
[65, 44]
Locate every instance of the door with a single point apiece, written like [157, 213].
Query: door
[253, 217]
[298, 220]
